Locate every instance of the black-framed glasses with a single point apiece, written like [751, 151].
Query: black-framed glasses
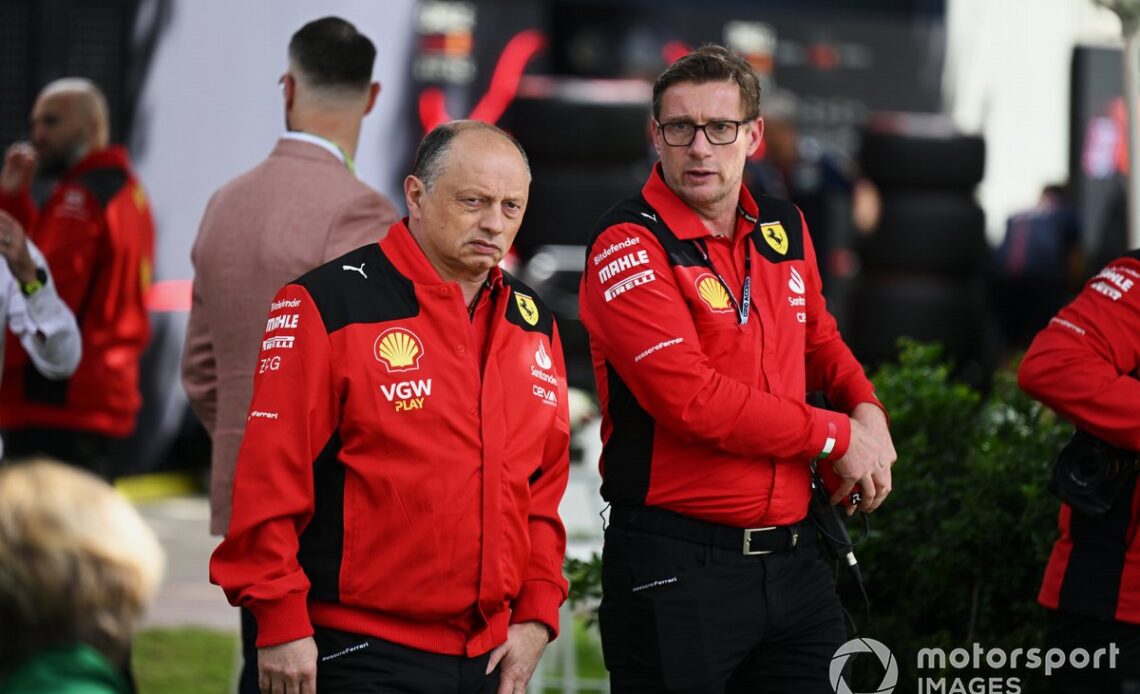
[718, 132]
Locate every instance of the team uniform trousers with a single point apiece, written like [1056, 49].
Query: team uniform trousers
[685, 616]
[348, 662]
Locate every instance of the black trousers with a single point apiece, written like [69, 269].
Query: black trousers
[1069, 631]
[102, 455]
[677, 616]
[356, 663]
[248, 679]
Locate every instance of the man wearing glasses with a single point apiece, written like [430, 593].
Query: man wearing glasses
[708, 326]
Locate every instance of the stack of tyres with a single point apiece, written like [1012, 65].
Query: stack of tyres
[924, 266]
[587, 141]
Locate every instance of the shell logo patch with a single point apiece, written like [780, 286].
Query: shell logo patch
[775, 236]
[527, 308]
[712, 292]
[398, 350]
[139, 198]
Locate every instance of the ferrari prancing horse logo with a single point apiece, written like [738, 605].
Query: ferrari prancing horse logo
[775, 236]
[527, 308]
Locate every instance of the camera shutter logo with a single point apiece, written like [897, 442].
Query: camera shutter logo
[854, 647]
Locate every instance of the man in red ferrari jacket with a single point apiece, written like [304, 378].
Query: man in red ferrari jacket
[708, 328]
[96, 232]
[1084, 365]
[395, 519]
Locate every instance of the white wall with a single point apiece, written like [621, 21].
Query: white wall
[1007, 78]
[211, 108]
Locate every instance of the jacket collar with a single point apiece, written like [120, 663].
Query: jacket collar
[113, 157]
[285, 146]
[405, 253]
[679, 217]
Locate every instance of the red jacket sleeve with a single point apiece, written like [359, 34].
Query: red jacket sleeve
[677, 385]
[1084, 363]
[293, 414]
[20, 206]
[544, 588]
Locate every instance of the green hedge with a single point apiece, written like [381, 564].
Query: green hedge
[956, 554]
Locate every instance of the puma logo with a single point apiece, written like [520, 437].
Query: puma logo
[355, 269]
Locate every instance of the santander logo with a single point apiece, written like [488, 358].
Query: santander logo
[541, 357]
[795, 282]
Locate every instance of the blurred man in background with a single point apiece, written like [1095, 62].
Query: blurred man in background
[97, 235]
[301, 207]
[1037, 267]
[31, 308]
[827, 187]
[1085, 365]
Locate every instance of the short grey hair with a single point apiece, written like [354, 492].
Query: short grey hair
[433, 149]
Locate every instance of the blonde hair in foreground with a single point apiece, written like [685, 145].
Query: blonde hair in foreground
[77, 563]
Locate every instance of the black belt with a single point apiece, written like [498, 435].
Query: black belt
[659, 521]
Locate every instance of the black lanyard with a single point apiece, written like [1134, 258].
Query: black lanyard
[743, 306]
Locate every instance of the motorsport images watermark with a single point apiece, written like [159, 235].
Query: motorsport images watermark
[935, 666]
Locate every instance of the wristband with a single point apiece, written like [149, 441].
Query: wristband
[829, 444]
[35, 285]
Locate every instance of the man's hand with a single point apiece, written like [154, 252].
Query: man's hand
[519, 655]
[868, 459]
[288, 668]
[19, 168]
[14, 249]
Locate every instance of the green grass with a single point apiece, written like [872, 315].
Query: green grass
[183, 661]
[588, 648]
[200, 661]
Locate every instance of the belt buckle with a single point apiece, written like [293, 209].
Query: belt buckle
[747, 549]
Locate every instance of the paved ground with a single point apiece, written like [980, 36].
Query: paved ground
[186, 597]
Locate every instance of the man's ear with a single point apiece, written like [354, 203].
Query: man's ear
[653, 136]
[373, 93]
[288, 90]
[414, 190]
[755, 131]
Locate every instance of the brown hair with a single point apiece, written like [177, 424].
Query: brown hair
[711, 63]
[77, 563]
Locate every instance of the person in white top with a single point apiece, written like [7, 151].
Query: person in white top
[31, 308]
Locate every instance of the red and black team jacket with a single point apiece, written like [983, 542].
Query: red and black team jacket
[387, 484]
[97, 235]
[1084, 365]
[703, 414]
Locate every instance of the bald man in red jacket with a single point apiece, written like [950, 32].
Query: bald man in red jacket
[97, 234]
